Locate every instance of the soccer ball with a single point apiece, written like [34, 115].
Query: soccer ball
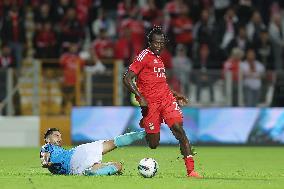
[148, 167]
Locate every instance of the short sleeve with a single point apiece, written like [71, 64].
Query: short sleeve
[46, 148]
[136, 66]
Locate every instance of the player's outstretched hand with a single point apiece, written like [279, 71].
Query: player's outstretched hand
[182, 100]
[46, 164]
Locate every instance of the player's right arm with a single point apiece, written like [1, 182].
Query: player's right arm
[131, 86]
[45, 155]
[134, 70]
[45, 163]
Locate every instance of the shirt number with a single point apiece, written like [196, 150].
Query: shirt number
[177, 107]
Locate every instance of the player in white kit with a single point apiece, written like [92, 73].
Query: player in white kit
[85, 159]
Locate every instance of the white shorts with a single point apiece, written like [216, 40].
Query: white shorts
[85, 156]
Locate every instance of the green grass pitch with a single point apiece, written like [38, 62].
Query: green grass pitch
[222, 167]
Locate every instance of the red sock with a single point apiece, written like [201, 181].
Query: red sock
[189, 164]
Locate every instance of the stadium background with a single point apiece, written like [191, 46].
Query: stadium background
[56, 55]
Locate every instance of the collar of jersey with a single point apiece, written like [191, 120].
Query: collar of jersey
[148, 49]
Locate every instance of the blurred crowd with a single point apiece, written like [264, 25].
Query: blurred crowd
[234, 35]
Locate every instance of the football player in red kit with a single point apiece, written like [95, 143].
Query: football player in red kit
[158, 102]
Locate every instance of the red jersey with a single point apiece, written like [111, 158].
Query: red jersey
[233, 66]
[151, 76]
[182, 27]
[45, 39]
[122, 48]
[103, 48]
[137, 33]
[70, 63]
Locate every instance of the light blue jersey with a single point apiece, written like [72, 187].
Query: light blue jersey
[59, 157]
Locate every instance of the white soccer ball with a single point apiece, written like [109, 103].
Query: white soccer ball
[148, 167]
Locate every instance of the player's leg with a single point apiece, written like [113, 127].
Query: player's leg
[185, 148]
[180, 135]
[128, 138]
[102, 169]
[174, 119]
[151, 122]
[108, 146]
[89, 154]
[122, 140]
[153, 140]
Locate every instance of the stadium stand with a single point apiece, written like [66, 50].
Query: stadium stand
[41, 31]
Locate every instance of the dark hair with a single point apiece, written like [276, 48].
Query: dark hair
[49, 132]
[158, 30]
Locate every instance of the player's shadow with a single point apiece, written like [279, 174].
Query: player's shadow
[217, 178]
[55, 175]
[47, 174]
[234, 179]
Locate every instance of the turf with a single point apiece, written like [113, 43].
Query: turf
[222, 167]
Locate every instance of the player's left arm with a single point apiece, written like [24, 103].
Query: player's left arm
[181, 99]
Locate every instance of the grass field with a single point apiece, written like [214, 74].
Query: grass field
[222, 167]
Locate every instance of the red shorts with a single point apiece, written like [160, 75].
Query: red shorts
[153, 115]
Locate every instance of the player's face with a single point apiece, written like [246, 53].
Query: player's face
[157, 44]
[250, 55]
[55, 138]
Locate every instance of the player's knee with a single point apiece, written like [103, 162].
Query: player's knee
[178, 131]
[153, 145]
[118, 166]
[153, 140]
